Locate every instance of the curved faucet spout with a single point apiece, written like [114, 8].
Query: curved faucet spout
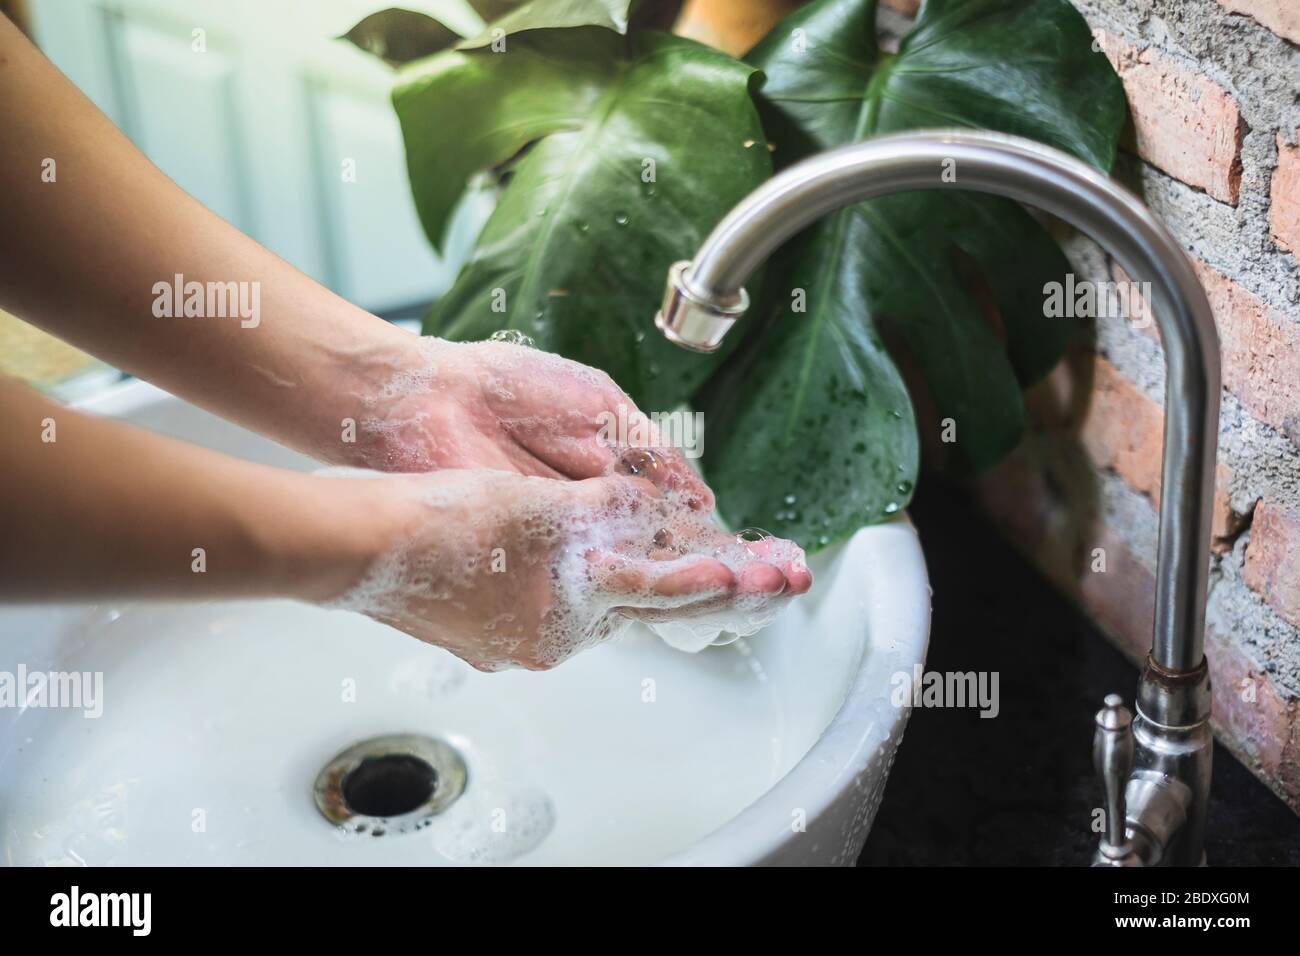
[706, 296]
[1161, 787]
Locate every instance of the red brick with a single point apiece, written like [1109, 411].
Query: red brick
[907, 8]
[1260, 351]
[1122, 430]
[1259, 348]
[1280, 16]
[1260, 724]
[1273, 559]
[1284, 205]
[1185, 124]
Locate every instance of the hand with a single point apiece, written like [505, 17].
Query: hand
[508, 570]
[511, 408]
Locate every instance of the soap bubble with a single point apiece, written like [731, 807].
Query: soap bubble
[748, 537]
[512, 337]
[642, 463]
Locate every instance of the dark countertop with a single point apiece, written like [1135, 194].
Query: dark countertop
[1019, 789]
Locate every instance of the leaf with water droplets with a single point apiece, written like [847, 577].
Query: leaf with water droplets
[591, 107]
[952, 280]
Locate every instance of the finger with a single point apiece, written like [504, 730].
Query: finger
[709, 607]
[758, 578]
[627, 582]
[573, 457]
[613, 494]
[700, 577]
[698, 495]
[717, 610]
[798, 579]
[668, 469]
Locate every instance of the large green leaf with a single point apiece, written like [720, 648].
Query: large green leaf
[636, 147]
[825, 419]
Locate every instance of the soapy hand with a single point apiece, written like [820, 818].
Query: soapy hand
[511, 570]
[513, 408]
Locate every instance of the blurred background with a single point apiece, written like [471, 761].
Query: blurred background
[264, 114]
[258, 110]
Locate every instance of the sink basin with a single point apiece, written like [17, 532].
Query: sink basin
[215, 719]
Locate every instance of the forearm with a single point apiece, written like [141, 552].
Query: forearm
[93, 508]
[87, 255]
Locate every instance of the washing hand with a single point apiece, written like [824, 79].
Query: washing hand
[510, 408]
[510, 570]
[507, 407]
[319, 375]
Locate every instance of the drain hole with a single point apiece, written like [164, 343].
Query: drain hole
[389, 786]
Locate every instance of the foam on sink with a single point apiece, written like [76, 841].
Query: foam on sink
[493, 824]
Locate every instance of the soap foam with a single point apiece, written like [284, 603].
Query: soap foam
[408, 436]
[742, 615]
[555, 535]
[493, 824]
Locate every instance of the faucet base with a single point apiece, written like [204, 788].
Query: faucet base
[1155, 770]
[1168, 793]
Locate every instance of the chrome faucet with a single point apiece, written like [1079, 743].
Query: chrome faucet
[1155, 768]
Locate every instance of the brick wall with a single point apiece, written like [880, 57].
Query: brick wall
[1214, 92]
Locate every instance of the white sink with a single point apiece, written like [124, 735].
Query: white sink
[216, 719]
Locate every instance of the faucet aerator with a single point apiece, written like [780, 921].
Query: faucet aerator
[695, 321]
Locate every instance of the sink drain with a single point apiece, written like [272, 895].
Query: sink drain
[393, 784]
